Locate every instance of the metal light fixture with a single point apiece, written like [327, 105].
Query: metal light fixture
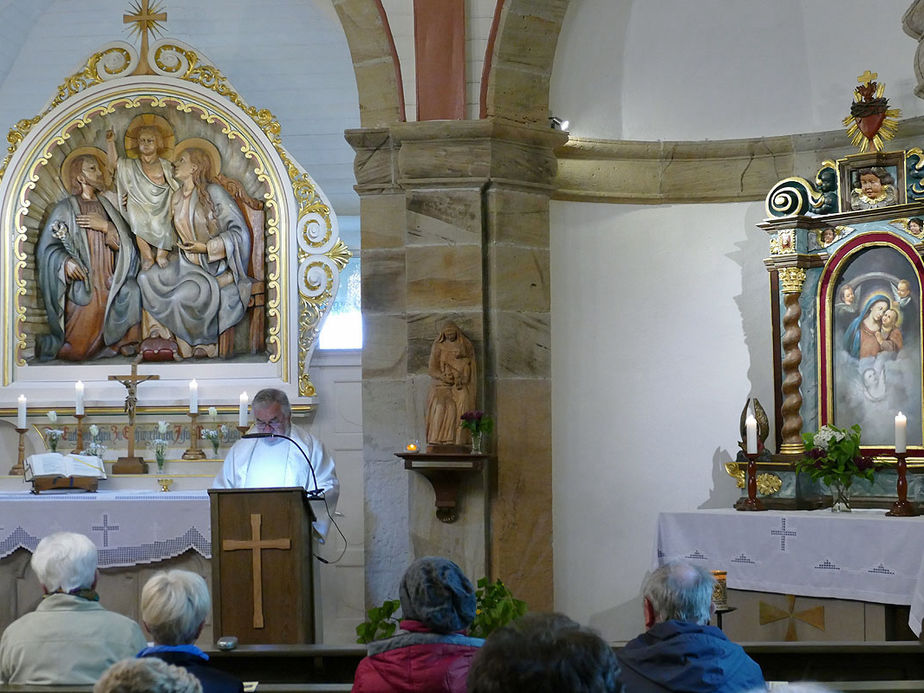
[557, 123]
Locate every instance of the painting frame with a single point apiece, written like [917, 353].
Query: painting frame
[849, 169]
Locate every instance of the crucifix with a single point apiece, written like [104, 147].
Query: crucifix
[256, 544]
[131, 464]
[146, 19]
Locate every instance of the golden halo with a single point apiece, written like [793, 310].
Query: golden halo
[149, 120]
[204, 145]
[83, 151]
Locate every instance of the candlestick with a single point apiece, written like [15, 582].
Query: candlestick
[750, 425]
[752, 502]
[193, 397]
[78, 394]
[79, 448]
[193, 452]
[242, 410]
[19, 468]
[21, 412]
[901, 507]
[901, 433]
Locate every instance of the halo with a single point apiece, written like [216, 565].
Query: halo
[149, 120]
[83, 151]
[204, 145]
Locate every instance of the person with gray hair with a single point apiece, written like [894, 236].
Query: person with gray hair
[680, 651]
[174, 606]
[146, 676]
[282, 456]
[70, 639]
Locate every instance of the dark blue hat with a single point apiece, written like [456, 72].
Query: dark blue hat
[436, 592]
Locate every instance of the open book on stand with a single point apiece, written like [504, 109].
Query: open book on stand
[52, 470]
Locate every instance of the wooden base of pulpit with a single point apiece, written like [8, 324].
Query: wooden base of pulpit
[130, 465]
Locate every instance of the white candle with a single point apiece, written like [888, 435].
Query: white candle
[750, 425]
[193, 397]
[78, 392]
[21, 412]
[901, 433]
[242, 410]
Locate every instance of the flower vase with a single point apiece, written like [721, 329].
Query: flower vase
[215, 444]
[477, 442]
[840, 496]
[160, 462]
[53, 443]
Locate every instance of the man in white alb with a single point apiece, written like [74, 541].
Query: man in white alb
[276, 462]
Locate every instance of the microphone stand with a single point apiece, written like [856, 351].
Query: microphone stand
[316, 493]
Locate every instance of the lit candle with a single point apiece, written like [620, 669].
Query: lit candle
[901, 433]
[242, 410]
[78, 391]
[193, 397]
[750, 425]
[411, 447]
[21, 412]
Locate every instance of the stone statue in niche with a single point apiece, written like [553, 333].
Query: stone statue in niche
[452, 370]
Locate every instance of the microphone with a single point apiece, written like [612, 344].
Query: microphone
[316, 492]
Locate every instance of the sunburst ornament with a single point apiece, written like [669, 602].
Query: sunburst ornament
[871, 121]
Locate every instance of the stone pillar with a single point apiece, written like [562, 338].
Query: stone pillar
[455, 227]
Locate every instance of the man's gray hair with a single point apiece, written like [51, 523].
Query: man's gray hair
[174, 604]
[146, 675]
[271, 395]
[680, 591]
[65, 561]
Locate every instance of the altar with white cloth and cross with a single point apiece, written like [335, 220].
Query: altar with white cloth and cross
[804, 574]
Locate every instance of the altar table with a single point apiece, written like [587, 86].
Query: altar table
[128, 527]
[862, 555]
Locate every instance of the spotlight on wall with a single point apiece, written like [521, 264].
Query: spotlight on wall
[557, 123]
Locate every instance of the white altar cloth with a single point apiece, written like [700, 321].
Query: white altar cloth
[862, 555]
[128, 527]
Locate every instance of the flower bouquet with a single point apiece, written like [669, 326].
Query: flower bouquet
[53, 435]
[214, 435]
[159, 445]
[833, 456]
[478, 423]
[95, 448]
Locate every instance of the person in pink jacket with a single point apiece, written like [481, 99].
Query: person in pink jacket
[433, 654]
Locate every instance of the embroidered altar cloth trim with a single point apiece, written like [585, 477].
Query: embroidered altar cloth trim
[862, 555]
[128, 527]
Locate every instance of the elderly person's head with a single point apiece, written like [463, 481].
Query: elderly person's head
[436, 592]
[678, 591]
[65, 562]
[174, 605]
[544, 653]
[272, 412]
[146, 675]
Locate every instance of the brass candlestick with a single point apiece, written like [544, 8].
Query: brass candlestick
[901, 507]
[193, 452]
[19, 469]
[243, 429]
[752, 502]
[79, 418]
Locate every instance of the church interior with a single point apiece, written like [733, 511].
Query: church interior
[611, 274]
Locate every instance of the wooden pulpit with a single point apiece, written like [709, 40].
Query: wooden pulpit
[262, 577]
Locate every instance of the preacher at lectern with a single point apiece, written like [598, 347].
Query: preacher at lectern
[274, 455]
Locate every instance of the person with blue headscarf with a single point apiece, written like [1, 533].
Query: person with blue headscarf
[860, 339]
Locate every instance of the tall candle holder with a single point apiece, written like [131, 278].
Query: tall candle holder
[193, 452]
[19, 469]
[79, 418]
[752, 502]
[901, 507]
[243, 429]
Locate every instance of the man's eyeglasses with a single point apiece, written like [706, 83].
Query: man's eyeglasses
[272, 423]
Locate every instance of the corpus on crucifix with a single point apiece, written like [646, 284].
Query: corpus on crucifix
[131, 464]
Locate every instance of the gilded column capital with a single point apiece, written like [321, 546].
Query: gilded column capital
[792, 279]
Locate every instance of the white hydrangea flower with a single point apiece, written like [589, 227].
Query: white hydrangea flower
[52, 416]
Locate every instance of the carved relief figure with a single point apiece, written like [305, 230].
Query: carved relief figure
[203, 290]
[87, 265]
[144, 182]
[452, 389]
[874, 187]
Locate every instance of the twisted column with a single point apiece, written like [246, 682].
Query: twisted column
[791, 280]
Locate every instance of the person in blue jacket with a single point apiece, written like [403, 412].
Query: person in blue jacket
[680, 651]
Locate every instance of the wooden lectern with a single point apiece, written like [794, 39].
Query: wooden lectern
[262, 579]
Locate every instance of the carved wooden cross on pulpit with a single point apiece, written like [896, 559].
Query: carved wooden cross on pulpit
[145, 20]
[131, 400]
[256, 544]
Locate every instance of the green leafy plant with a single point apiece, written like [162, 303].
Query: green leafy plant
[495, 606]
[833, 456]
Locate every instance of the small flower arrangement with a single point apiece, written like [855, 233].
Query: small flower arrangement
[833, 456]
[53, 434]
[214, 435]
[95, 448]
[477, 422]
[159, 444]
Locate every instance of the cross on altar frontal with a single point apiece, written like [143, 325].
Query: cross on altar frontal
[256, 544]
[130, 464]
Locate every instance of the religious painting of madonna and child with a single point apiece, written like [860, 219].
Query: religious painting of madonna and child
[875, 332]
[149, 240]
